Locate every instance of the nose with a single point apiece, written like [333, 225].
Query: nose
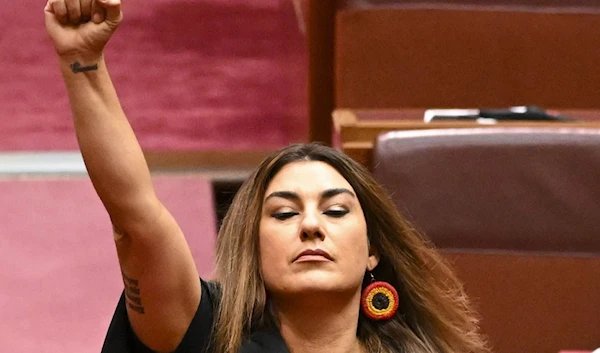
[311, 227]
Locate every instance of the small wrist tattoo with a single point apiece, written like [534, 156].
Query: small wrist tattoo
[76, 67]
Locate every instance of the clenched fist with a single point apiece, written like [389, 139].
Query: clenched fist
[80, 29]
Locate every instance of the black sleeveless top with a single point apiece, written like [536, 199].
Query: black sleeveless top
[121, 338]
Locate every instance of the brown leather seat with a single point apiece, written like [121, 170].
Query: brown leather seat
[518, 212]
[497, 188]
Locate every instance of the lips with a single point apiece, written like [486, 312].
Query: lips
[314, 252]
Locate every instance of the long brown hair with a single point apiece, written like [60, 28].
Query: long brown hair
[434, 314]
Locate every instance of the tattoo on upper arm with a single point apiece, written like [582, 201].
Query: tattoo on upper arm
[132, 293]
[77, 68]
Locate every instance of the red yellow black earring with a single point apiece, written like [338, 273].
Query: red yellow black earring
[379, 300]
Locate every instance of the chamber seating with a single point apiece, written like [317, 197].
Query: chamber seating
[516, 210]
[374, 54]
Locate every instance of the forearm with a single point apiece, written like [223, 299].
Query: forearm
[112, 154]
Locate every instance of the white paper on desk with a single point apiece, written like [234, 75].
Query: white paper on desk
[430, 113]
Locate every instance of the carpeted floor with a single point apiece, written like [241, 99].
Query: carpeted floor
[58, 266]
[195, 74]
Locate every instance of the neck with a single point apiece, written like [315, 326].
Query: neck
[320, 323]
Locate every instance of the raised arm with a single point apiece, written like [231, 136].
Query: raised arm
[161, 280]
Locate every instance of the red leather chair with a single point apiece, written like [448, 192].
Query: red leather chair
[517, 210]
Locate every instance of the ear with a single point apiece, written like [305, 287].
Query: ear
[373, 259]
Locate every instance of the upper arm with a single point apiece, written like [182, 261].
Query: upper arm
[160, 277]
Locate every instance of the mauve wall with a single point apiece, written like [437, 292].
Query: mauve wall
[59, 273]
[202, 74]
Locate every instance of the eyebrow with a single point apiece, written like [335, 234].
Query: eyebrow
[327, 194]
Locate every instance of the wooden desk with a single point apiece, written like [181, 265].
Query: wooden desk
[395, 54]
[356, 130]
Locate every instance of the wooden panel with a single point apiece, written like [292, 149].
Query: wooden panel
[534, 302]
[475, 57]
[448, 54]
[320, 69]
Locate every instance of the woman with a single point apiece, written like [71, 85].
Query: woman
[312, 256]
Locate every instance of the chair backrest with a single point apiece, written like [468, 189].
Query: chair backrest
[517, 210]
[497, 188]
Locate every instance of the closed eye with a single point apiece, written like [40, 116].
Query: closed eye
[336, 213]
[284, 215]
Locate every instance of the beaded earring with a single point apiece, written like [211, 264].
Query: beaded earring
[379, 300]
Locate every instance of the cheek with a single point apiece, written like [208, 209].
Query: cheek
[272, 249]
[354, 242]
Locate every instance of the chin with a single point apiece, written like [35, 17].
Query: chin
[317, 282]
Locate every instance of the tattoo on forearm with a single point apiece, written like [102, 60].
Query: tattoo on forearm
[132, 294]
[76, 67]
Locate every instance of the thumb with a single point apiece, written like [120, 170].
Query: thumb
[112, 9]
